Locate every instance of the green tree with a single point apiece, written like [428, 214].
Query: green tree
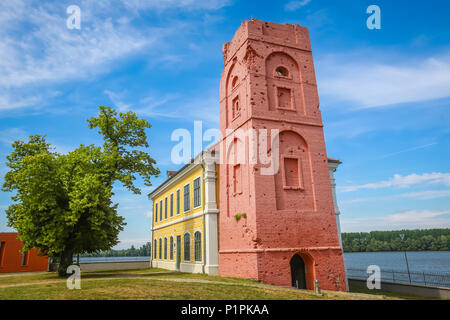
[415, 240]
[62, 202]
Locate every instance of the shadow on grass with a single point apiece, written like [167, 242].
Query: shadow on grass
[398, 295]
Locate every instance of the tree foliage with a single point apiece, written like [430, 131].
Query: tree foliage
[143, 251]
[62, 202]
[414, 240]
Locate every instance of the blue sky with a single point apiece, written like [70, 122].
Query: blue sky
[385, 94]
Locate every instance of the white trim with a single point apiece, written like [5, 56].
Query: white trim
[184, 267]
[166, 205]
[201, 245]
[193, 192]
[172, 247]
[178, 204]
[171, 205]
[180, 176]
[184, 209]
[165, 248]
[184, 246]
[182, 219]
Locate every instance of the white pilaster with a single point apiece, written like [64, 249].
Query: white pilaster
[332, 166]
[211, 211]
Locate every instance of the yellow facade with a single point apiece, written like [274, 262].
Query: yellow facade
[180, 221]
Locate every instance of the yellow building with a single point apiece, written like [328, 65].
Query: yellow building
[185, 213]
[185, 224]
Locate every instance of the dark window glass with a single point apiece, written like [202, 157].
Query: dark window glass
[186, 198]
[198, 245]
[187, 247]
[197, 194]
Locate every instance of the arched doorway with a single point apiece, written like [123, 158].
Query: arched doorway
[298, 272]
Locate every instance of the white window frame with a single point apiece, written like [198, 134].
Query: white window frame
[171, 202]
[184, 208]
[166, 205]
[171, 249]
[193, 192]
[165, 248]
[201, 246]
[160, 249]
[184, 247]
[178, 202]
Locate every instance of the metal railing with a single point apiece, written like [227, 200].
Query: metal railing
[434, 279]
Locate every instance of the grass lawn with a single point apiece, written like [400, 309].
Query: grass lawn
[159, 284]
[388, 294]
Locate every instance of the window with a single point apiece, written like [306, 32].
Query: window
[198, 245]
[2, 250]
[160, 248]
[178, 201]
[197, 194]
[25, 258]
[165, 208]
[171, 205]
[171, 248]
[292, 173]
[237, 179]
[284, 97]
[234, 82]
[236, 110]
[160, 210]
[187, 247]
[154, 249]
[281, 72]
[186, 198]
[165, 248]
[156, 212]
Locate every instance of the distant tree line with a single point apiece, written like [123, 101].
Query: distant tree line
[414, 240]
[143, 251]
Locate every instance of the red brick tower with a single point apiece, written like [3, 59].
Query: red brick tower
[288, 235]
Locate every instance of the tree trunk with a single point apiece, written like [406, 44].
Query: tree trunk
[64, 262]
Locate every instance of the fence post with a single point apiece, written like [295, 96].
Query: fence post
[424, 281]
[393, 275]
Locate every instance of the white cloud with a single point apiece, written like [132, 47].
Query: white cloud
[363, 80]
[407, 150]
[8, 136]
[420, 195]
[294, 5]
[37, 46]
[124, 241]
[404, 181]
[203, 107]
[413, 219]
[18, 102]
[149, 214]
[176, 4]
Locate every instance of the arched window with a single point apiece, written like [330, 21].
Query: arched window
[171, 248]
[160, 248]
[198, 245]
[282, 72]
[187, 247]
[165, 248]
[154, 249]
[234, 82]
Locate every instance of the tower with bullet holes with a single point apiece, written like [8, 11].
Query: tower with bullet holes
[277, 228]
